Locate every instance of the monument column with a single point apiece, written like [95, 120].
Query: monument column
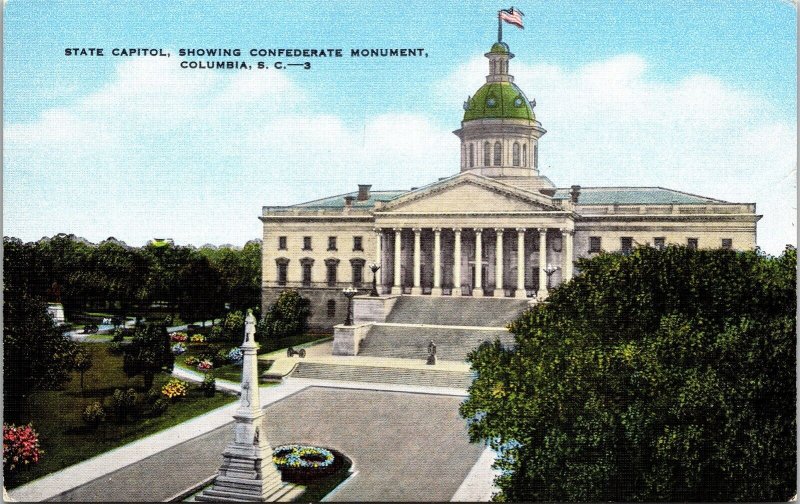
[457, 263]
[477, 289]
[417, 289]
[498, 267]
[520, 293]
[378, 258]
[437, 262]
[542, 263]
[566, 238]
[398, 233]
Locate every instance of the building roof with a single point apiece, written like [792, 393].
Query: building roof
[498, 100]
[337, 201]
[634, 196]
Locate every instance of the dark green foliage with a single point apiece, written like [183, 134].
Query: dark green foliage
[36, 355]
[659, 376]
[82, 363]
[123, 403]
[286, 317]
[94, 414]
[233, 326]
[160, 407]
[209, 385]
[148, 353]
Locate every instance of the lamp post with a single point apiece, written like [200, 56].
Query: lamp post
[349, 293]
[549, 270]
[374, 267]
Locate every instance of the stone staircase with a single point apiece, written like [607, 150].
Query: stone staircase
[383, 374]
[411, 342]
[456, 311]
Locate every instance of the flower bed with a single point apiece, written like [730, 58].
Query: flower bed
[205, 365]
[191, 360]
[20, 447]
[178, 348]
[302, 462]
[174, 389]
[178, 337]
[197, 338]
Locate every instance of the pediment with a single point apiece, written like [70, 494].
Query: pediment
[470, 193]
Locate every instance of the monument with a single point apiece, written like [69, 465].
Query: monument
[248, 472]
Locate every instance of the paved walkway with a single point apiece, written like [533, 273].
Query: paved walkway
[407, 443]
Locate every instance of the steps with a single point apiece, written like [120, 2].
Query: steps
[456, 311]
[383, 374]
[410, 342]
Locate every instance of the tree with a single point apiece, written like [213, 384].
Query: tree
[82, 363]
[659, 376]
[36, 355]
[199, 290]
[148, 353]
[286, 317]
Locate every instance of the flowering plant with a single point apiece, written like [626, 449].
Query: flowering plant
[174, 388]
[178, 337]
[178, 348]
[301, 456]
[20, 446]
[191, 360]
[197, 338]
[235, 355]
[205, 365]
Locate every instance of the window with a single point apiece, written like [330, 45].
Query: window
[524, 154]
[331, 243]
[306, 274]
[594, 244]
[283, 268]
[306, 243]
[358, 243]
[471, 155]
[515, 154]
[626, 244]
[331, 274]
[727, 243]
[487, 154]
[659, 242]
[691, 243]
[331, 308]
[536, 155]
[497, 153]
[358, 271]
[281, 243]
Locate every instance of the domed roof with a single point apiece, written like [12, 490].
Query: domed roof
[500, 47]
[498, 100]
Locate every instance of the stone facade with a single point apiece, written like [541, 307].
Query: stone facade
[497, 228]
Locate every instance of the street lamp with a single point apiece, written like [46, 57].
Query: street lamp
[349, 293]
[549, 270]
[374, 267]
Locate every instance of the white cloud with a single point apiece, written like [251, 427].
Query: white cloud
[609, 123]
[194, 154]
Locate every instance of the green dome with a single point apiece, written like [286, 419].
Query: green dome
[499, 47]
[498, 100]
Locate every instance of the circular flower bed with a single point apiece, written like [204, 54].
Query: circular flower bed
[301, 462]
[178, 348]
[205, 365]
[179, 337]
[197, 338]
[175, 389]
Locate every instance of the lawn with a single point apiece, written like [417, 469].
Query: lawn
[63, 435]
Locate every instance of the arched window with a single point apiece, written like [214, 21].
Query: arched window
[524, 154]
[487, 154]
[497, 153]
[471, 155]
[515, 154]
[331, 308]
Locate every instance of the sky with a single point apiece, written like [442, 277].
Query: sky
[698, 96]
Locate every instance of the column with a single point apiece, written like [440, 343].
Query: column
[566, 240]
[499, 290]
[380, 272]
[520, 293]
[397, 252]
[477, 289]
[417, 289]
[542, 263]
[437, 262]
[457, 263]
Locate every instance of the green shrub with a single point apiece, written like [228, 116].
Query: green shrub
[94, 414]
[153, 395]
[216, 333]
[119, 335]
[209, 385]
[160, 406]
[123, 403]
[116, 347]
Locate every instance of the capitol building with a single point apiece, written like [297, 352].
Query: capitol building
[496, 228]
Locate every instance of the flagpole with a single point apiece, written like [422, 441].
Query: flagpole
[499, 28]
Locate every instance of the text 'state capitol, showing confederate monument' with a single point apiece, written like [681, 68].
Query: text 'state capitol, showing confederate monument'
[498, 228]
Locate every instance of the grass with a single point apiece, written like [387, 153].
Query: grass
[64, 437]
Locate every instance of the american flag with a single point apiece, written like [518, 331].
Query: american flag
[512, 16]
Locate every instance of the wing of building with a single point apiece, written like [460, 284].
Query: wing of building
[497, 228]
